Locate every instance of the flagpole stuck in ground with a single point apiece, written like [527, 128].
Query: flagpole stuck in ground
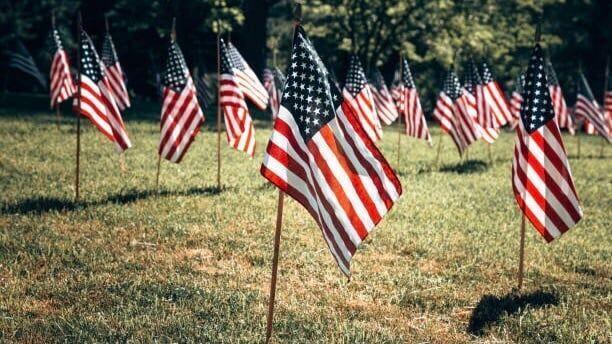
[218, 105]
[521, 268]
[297, 17]
[521, 254]
[78, 112]
[401, 111]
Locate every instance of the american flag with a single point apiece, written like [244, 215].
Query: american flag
[116, 77]
[410, 106]
[456, 112]
[273, 80]
[62, 86]
[396, 88]
[238, 123]
[20, 58]
[564, 120]
[181, 115]
[96, 100]
[320, 155]
[587, 107]
[485, 119]
[247, 78]
[204, 90]
[495, 97]
[541, 178]
[517, 100]
[358, 95]
[385, 106]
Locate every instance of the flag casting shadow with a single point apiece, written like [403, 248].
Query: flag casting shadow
[491, 308]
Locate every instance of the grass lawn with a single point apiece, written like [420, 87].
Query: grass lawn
[192, 264]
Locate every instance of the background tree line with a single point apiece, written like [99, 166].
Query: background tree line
[434, 34]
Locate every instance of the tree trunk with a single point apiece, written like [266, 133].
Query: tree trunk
[252, 44]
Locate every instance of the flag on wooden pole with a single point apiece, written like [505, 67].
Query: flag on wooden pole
[320, 155]
[562, 116]
[484, 112]
[588, 108]
[238, 122]
[20, 59]
[385, 106]
[410, 106]
[246, 78]
[517, 100]
[116, 76]
[96, 99]
[62, 86]
[495, 97]
[181, 115]
[541, 178]
[358, 95]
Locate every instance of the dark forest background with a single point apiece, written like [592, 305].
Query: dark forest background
[435, 35]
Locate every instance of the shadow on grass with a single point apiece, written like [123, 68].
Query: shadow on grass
[491, 308]
[39, 205]
[466, 167]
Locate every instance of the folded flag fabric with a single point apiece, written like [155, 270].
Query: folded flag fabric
[96, 101]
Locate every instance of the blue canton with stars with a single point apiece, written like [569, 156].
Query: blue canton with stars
[54, 43]
[109, 55]
[355, 78]
[520, 84]
[407, 75]
[452, 87]
[471, 78]
[225, 57]
[308, 94]
[487, 76]
[90, 62]
[235, 57]
[377, 79]
[174, 75]
[537, 108]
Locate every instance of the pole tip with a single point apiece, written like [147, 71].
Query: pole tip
[538, 30]
[173, 30]
[297, 11]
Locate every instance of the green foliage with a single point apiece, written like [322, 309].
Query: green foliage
[433, 34]
[189, 264]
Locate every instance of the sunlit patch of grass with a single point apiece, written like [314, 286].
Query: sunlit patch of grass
[192, 263]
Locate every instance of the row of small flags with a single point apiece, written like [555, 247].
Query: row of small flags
[322, 151]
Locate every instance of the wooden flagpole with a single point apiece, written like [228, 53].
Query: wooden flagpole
[401, 110]
[297, 15]
[521, 268]
[603, 103]
[78, 113]
[159, 158]
[218, 105]
[277, 237]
